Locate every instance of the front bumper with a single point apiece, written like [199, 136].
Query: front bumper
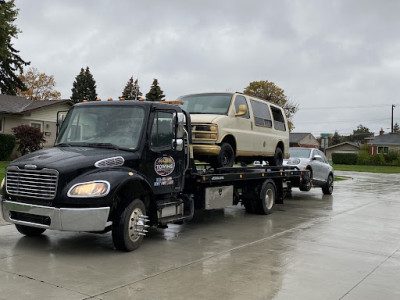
[212, 150]
[69, 219]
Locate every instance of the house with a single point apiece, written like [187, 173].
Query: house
[346, 147]
[15, 111]
[306, 140]
[384, 143]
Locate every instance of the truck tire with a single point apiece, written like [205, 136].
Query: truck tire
[267, 197]
[29, 231]
[327, 189]
[277, 160]
[128, 226]
[226, 156]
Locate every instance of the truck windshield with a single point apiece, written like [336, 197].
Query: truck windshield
[102, 126]
[207, 103]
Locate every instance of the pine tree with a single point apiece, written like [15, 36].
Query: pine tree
[84, 87]
[131, 90]
[155, 93]
[10, 61]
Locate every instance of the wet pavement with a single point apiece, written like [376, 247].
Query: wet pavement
[344, 246]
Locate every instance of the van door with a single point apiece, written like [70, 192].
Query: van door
[242, 127]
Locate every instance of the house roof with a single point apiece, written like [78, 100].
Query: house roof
[386, 139]
[344, 143]
[295, 137]
[18, 105]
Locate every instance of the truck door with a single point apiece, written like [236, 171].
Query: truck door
[167, 159]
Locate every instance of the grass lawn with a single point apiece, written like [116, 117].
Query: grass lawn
[3, 165]
[372, 169]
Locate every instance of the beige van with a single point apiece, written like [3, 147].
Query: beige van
[230, 127]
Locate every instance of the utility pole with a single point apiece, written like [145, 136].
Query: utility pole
[393, 106]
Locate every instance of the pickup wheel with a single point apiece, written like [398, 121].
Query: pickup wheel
[128, 229]
[29, 231]
[226, 156]
[327, 189]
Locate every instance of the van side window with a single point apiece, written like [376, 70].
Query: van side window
[162, 131]
[240, 100]
[279, 120]
[262, 116]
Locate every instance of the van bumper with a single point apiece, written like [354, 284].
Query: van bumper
[71, 219]
[212, 150]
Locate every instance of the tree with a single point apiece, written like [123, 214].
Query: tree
[131, 90]
[39, 86]
[269, 91]
[336, 139]
[84, 87]
[29, 138]
[360, 134]
[10, 61]
[396, 128]
[155, 93]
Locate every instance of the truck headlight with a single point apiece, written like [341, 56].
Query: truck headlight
[89, 189]
[205, 131]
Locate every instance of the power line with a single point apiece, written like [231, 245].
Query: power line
[344, 107]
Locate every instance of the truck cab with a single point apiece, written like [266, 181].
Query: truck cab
[113, 163]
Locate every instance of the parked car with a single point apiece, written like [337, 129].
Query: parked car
[321, 172]
[229, 127]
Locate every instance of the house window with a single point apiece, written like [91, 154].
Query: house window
[384, 150]
[36, 125]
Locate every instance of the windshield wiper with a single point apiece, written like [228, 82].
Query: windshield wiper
[64, 145]
[103, 145]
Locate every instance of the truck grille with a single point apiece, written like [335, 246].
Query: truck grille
[40, 184]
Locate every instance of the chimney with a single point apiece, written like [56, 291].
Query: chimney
[381, 132]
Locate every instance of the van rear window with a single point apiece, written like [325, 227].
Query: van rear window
[279, 120]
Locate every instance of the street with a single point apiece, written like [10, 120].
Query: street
[344, 246]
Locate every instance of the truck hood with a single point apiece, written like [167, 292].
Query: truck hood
[64, 158]
[205, 118]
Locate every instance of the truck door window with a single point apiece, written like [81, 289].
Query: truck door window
[162, 132]
[240, 100]
[279, 120]
[262, 116]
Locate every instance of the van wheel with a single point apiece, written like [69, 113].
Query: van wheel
[277, 160]
[226, 156]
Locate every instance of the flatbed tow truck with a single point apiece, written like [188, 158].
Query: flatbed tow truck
[123, 166]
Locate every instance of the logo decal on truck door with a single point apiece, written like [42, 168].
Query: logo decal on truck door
[164, 165]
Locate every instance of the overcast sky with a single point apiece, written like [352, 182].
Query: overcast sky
[338, 60]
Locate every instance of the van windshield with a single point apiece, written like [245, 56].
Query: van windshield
[207, 103]
[102, 126]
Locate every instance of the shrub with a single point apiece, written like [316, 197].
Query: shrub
[30, 138]
[363, 158]
[391, 156]
[7, 144]
[377, 159]
[344, 158]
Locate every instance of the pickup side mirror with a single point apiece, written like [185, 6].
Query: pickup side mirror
[242, 110]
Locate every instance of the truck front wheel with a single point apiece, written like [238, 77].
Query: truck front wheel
[128, 229]
[29, 231]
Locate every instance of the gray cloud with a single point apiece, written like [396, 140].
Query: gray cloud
[338, 60]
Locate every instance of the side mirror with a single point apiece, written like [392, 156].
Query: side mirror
[177, 144]
[179, 121]
[317, 157]
[60, 120]
[242, 110]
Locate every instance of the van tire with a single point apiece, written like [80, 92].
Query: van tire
[226, 156]
[277, 160]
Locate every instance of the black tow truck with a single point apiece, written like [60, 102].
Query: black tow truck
[125, 166]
